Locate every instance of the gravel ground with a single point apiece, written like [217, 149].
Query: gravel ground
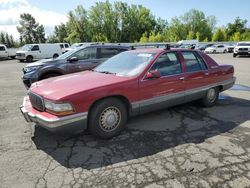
[183, 146]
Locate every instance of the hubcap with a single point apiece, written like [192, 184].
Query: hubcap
[110, 119]
[211, 95]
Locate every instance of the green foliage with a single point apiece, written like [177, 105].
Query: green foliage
[238, 25]
[246, 35]
[7, 39]
[236, 37]
[219, 35]
[155, 37]
[190, 35]
[30, 31]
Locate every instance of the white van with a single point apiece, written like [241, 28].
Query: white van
[64, 46]
[32, 52]
[7, 52]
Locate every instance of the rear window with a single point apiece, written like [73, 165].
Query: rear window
[193, 62]
[108, 52]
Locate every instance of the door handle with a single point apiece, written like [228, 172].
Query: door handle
[182, 78]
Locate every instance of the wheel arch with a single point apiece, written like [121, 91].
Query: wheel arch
[122, 98]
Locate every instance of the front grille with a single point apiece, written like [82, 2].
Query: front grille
[36, 101]
[20, 54]
[243, 49]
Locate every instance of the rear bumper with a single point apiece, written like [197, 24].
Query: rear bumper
[71, 123]
[228, 84]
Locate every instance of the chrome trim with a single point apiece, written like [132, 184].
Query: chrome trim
[52, 122]
[172, 96]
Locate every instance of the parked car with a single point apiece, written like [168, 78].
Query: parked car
[230, 47]
[75, 60]
[204, 46]
[130, 83]
[242, 48]
[7, 52]
[32, 52]
[218, 48]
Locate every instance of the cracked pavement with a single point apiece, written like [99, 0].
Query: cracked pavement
[183, 146]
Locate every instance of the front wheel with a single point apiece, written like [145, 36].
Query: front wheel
[234, 55]
[29, 59]
[211, 97]
[107, 118]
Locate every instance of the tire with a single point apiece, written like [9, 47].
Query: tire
[12, 57]
[214, 51]
[234, 55]
[111, 109]
[49, 75]
[211, 97]
[29, 59]
[225, 51]
[21, 60]
[55, 56]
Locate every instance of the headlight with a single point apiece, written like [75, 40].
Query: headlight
[30, 69]
[58, 108]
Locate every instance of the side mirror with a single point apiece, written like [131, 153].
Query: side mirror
[73, 59]
[153, 74]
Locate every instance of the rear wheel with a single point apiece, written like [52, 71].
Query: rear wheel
[224, 51]
[211, 97]
[234, 55]
[50, 75]
[107, 118]
[55, 56]
[214, 51]
[29, 59]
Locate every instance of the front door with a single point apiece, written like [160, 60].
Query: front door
[86, 60]
[3, 52]
[165, 91]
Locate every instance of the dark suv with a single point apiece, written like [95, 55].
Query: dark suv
[75, 60]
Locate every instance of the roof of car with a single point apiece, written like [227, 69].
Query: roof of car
[107, 46]
[159, 50]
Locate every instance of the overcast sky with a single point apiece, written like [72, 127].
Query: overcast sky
[53, 12]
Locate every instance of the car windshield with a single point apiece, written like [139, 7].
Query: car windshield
[126, 63]
[67, 54]
[244, 44]
[27, 47]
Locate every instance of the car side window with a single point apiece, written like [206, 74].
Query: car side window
[35, 48]
[167, 64]
[193, 62]
[108, 52]
[87, 53]
[2, 48]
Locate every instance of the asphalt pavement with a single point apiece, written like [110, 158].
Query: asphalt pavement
[183, 146]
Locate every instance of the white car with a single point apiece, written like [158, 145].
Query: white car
[218, 48]
[242, 48]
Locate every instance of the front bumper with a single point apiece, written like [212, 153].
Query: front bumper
[71, 123]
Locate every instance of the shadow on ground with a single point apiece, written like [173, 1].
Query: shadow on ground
[145, 135]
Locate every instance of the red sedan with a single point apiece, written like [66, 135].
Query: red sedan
[128, 84]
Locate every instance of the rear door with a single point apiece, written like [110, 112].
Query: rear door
[197, 76]
[168, 90]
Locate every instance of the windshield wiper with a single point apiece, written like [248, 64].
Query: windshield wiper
[106, 72]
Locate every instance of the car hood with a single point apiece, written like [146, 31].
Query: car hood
[63, 86]
[44, 62]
